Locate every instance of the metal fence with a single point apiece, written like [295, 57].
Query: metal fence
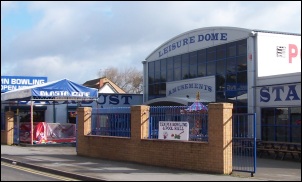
[114, 121]
[244, 143]
[198, 122]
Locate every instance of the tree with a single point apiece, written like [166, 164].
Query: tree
[128, 79]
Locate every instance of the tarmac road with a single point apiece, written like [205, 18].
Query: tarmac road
[63, 160]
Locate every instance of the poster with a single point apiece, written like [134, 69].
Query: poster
[173, 130]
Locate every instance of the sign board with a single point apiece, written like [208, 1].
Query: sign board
[278, 52]
[119, 100]
[281, 95]
[197, 39]
[189, 87]
[173, 130]
[9, 83]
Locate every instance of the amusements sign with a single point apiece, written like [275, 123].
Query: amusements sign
[173, 130]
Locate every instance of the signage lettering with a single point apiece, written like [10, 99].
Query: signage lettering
[293, 52]
[114, 99]
[191, 40]
[9, 83]
[64, 93]
[277, 92]
[190, 86]
[56, 102]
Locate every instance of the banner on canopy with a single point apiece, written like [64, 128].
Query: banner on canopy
[57, 90]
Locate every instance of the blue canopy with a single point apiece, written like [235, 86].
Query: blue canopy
[57, 90]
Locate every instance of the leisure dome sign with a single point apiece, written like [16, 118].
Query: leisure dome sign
[196, 40]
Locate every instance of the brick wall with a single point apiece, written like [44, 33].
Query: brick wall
[214, 156]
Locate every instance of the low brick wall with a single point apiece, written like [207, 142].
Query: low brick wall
[214, 156]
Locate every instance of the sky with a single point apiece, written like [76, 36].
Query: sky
[78, 39]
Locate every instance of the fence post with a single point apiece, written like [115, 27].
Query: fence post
[9, 127]
[220, 136]
[139, 122]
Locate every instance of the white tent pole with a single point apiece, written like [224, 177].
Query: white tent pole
[31, 121]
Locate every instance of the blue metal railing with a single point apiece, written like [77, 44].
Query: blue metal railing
[114, 121]
[244, 143]
[198, 122]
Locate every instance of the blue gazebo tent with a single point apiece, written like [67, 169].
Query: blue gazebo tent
[63, 89]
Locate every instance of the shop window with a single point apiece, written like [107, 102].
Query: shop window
[220, 67]
[231, 65]
[193, 58]
[220, 83]
[211, 54]
[163, 76]
[221, 52]
[162, 90]
[156, 89]
[170, 75]
[72, 115]
[202, 56]
[282, 116]
[157, 65]
[282, 134]
[295, 121]
[296, 134]
[163, 68]
[241, 109]
[202, 70]
[157, 77]
[193, 71]
[151, 66]
[268, 133]
[231, 50]
[220, 97]
[231, 78]
[193, 65]
[242, 78]
[170, 63]
[177, 62]
[211, 68]
[295, 116]
[242, 63]
[38, 116]
[241, 102]
[177, 74]
[151, 77]
[151, 90]
[185, 66]
[277, 124]
[268, 116]
[242, 47]
[25, 113]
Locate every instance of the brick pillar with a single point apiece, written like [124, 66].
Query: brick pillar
[84, 121]
[220, 136]
[139, 122]
[83, 127]
[9, 127]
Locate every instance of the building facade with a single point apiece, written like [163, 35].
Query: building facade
[258, 71]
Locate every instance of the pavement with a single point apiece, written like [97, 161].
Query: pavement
[63, 160]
